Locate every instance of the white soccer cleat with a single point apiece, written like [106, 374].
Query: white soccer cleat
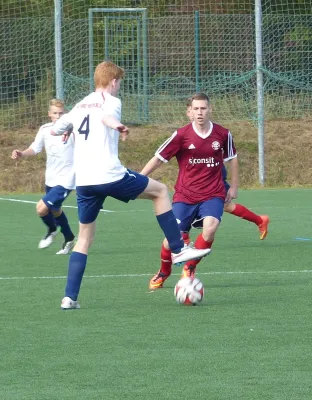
[69, 304]
[47, 240]
[188, 253]
[67, 247]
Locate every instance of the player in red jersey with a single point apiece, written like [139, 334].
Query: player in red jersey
[200, 149]
[230, 207]
[262, 221]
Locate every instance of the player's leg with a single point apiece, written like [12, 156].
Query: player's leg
[89, 205]
[165, 269]
[186, 238]
[57, 196]
[43, 209]
[262, 221]
[69, 237]
[184, 214]
[158, 193]
[209, 218]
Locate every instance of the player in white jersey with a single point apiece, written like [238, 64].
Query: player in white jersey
[59, 178]
[95, 122]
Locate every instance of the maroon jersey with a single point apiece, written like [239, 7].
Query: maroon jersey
[200, 158]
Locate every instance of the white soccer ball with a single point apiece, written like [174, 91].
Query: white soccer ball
[189, 291]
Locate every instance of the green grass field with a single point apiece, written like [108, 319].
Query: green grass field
[250, 339]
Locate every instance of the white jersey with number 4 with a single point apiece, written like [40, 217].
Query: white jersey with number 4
[60, 157]
[96, 145]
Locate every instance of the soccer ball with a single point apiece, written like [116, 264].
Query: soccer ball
[189, 291]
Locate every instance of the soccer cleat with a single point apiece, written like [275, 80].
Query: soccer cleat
[188, 253]
[69, 304]
[158, 280]
[67, 247]
[188, 271]
[263, 227]
[47, 240]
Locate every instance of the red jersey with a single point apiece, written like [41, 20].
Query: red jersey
[200, 158]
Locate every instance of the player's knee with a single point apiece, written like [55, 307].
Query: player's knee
[209, 231]
[41, 209]
[229, 207]
[162, 190]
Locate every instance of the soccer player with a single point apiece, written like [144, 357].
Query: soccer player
[59, 178]
[95, 122]
[200, 194]
[262, 221]
[230, 207]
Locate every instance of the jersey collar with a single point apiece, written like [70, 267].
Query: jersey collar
[203, 135]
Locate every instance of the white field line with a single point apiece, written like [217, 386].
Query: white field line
[63, 206]
[19, 278]
[35, 202]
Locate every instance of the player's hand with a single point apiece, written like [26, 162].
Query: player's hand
[66, 136]
[231, 194]
[124, 132]
[16, 154]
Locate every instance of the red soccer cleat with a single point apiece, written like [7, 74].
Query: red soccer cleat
[157, 282]
[263, 227]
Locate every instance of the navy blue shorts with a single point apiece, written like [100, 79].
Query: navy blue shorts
[55, 197]
[90, 199]
[192, 215]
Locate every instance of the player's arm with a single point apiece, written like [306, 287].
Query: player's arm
[35, 148]
[63, 127]
[112, 122]
[230, 156]
[152, 164]
[164, 153]
[233, 191]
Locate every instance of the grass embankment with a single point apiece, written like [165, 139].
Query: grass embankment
[288, 159]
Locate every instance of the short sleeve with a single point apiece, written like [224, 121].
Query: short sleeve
[38, 143]
[229, 150]
[169, 148]
[111, 107]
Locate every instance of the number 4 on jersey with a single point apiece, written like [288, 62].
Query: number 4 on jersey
[84, 127]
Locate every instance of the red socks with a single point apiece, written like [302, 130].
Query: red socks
[186, 237]
[166, 262]
[200, 243]
[243, 212]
